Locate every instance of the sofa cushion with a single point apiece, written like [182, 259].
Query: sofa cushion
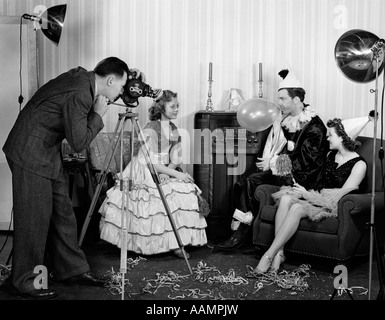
[329, 225]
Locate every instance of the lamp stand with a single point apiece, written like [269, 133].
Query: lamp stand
[373, 239]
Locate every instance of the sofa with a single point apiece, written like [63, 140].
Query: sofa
[340, 238]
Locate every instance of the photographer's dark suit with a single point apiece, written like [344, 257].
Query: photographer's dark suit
[60, 109]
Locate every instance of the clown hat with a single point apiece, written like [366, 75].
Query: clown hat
[353, 127]
[289, 80]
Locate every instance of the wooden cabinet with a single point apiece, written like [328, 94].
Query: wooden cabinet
[223, 152]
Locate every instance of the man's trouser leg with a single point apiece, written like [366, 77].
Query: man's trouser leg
[67, 258]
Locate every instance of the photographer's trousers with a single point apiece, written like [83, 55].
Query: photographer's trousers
[43, 220]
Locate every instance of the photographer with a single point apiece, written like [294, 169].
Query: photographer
[69, 107]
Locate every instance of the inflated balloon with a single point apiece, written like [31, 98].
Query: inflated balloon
[257, 114]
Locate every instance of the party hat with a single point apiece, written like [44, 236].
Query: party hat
[289, 80]
[353, 127]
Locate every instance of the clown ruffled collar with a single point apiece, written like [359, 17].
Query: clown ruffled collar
[293, 124]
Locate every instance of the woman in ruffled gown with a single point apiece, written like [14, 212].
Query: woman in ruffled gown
[343, 172]
[149, 229]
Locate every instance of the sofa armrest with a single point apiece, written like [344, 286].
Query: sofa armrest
[360, 204]
[263, 194]
[354, 211]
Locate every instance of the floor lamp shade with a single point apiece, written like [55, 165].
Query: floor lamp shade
[51, 22]
[355, 57]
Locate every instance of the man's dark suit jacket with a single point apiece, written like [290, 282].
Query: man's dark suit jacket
[309, 154]
[61, 109]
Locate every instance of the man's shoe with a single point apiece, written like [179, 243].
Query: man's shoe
[235, 242]
[87, 279]
[40, 294]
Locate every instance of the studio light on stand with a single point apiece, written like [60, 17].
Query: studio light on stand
[360, 56]
[50, 22]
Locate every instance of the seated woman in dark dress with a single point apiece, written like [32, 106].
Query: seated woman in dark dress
[343, 172]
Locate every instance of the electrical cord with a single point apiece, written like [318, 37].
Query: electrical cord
[21, 98]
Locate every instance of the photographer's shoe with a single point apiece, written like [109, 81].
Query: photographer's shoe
[39, 294]
[86, 279]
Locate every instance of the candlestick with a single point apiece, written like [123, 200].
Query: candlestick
[210, 71]
[260, 94]
[209, 105]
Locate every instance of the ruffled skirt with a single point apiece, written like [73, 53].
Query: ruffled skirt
[317, 205]
[149, 230]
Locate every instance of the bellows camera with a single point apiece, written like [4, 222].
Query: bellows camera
[136, 88]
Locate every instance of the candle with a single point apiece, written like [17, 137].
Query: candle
[210, 71]
[260, 71]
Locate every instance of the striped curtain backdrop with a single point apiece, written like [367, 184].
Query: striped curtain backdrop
[173, 41]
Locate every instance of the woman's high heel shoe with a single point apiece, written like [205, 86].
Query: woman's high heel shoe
[267, 264]
[279, 258]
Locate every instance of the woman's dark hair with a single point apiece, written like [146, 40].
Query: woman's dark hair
[156, 110]
[348, 142]
[111, 65]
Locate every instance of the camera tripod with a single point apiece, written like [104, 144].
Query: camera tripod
[118, 136]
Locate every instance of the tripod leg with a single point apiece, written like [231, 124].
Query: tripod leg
[123, 217]
[165, 204]
[90, 211]
[107, 162]
[350, 295]
[155, 177]
[333, 295]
